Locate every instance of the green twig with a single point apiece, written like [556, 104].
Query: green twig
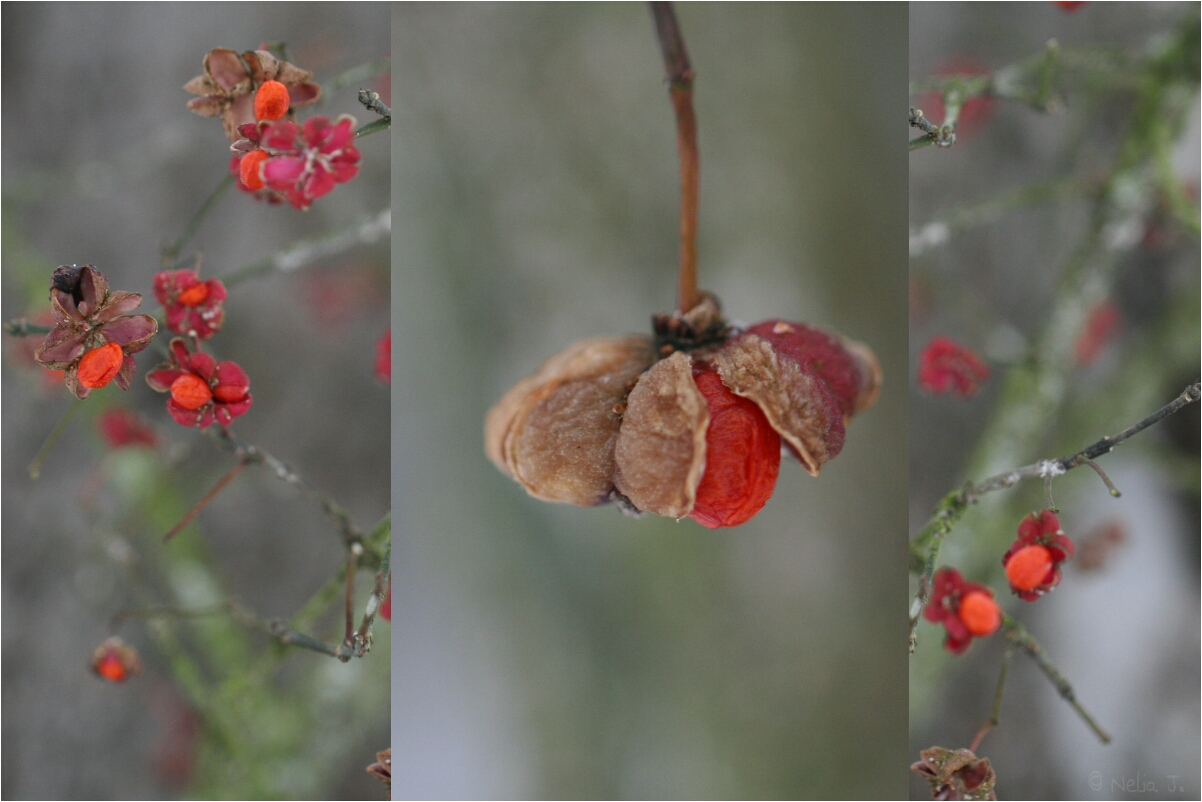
[35, 467]
[1018, 635]
[306, 252]
[20, 327]
[995, 713]
[170, 252]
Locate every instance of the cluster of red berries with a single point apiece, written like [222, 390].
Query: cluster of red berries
[1032, 563]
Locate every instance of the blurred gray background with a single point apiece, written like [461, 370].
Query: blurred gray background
[548, 651]
[102, 163]
[1127, 632]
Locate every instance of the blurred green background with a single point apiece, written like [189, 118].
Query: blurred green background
[103, 163]
[548, 651]
[1124, 630]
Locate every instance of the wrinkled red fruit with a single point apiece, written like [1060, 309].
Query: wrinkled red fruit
[271, 101]
[248, 169]
[742, 457]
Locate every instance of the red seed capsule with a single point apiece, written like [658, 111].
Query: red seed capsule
[742, 457]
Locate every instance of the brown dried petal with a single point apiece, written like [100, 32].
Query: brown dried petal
[792, 401]
[660, 452]
[226, 70]
[240, 112]
[209, 105]
[118, 303]
[71, 380]
[303, 94]
[554, 431]
[289, 74]
[263, 65]
[132, 332]
[202, 85]
[62, 346]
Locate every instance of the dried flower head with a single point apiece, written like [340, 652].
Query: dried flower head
[94, 338]
[966, 610]
[203, 390]
[298, 163]
[1033, 560]
[690, 423]
[116, 661]
[193, 307]
[231, 84]
[945, 366]
[958, 774]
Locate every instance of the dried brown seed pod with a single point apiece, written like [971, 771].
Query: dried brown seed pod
[554, 431]
[625, 419]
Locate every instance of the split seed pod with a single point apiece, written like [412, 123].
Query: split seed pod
[692, 423]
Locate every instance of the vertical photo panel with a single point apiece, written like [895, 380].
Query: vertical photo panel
[196, 413]
[1054, 426]
[740, 631]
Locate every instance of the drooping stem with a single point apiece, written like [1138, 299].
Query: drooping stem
[171, 251]
[680, 89]
[352, 564]
[1017, 634]
[212, 494]
[35, 467]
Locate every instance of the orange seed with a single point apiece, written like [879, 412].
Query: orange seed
[248, 169]
[271, 101]
[1028, 567]
[99, 366]
[194, 295]
[190, 391]
[980, 613]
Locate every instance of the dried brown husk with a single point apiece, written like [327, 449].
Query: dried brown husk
[554, 432]
[791, 399]
[660, 451]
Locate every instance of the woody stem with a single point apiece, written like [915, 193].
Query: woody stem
[212, 494]
[171, 251]
[995, 713]
[680, 90]
[1017, 634]
[35, 467]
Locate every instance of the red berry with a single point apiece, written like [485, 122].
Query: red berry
[742, 457]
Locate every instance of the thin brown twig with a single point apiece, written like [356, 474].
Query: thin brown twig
[680, 89]
[212, 494]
